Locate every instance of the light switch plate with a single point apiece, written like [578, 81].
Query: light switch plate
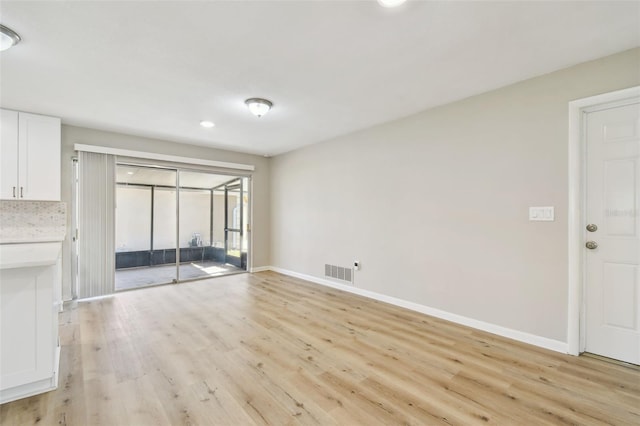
[542, 214]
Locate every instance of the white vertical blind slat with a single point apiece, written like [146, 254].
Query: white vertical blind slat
[96, 246]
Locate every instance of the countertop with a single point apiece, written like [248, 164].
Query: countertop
[28, 255]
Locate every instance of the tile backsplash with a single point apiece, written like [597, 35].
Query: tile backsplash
[32, 221]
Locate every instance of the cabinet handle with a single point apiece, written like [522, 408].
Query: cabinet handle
[14, 192]
[21, 193]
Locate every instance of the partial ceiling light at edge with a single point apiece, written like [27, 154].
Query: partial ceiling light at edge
[8, 38]
[390, 3]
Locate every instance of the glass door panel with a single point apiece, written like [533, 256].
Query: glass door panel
[234, 219]
[245, 223]
[218, 222]
[195, 231]
[174, 225]
[202, 225]
[145, 226]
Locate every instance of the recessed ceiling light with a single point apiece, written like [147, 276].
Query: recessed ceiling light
[390, 3]
[258, 106]
[207, 124]
[8, 38]
[129, 173]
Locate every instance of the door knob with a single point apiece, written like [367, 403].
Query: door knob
[591, 245]
[592, 227]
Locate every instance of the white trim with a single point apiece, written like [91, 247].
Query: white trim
[543, 342]
[249, 226]
[575, 342]
[261, 269]
[97, 298]
[161, 157]
[28, 389]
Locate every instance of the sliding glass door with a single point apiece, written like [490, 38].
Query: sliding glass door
[146, 233]
[176, 225]
[197, 255]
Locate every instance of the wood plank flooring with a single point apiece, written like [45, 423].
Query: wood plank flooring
[269, 349]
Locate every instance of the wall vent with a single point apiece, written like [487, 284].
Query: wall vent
[338, 272]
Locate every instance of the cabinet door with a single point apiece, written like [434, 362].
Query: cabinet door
[8, 154]
[26, 333]
[39, 157]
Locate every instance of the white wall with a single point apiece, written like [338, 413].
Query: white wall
[164, 219]
[435, 205]
[133, 218]
[195, 209]
[218, 219]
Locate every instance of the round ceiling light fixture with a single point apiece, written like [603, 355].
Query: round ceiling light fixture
[8, 38]
[391, 3]
[207, 124]
[258, 106]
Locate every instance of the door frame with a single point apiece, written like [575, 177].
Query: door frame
[576, 211]
[240, 230]
[73, 232]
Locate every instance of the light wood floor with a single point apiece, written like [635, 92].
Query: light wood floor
[268, 349]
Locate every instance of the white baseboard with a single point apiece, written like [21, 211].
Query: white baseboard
[543, 342]
[261, 268]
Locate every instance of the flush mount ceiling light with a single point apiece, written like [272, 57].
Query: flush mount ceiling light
[390, 3]
[8, 38]
[207, 124]
[258, 106]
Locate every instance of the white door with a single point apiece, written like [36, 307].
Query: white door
[612, 268]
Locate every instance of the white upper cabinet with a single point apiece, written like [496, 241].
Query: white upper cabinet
[29, 156]
[8, 154]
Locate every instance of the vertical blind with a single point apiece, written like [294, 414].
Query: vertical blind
[96, 224]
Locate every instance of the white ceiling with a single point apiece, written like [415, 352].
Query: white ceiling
[157, 68]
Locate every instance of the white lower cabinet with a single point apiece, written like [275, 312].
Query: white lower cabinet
[29, 304]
